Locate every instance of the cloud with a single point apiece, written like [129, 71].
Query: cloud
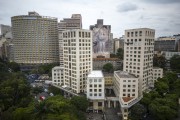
[126, 7]
[162, 1]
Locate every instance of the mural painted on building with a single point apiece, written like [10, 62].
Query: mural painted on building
[101, 40]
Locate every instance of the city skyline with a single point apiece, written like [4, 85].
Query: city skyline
[120, 15]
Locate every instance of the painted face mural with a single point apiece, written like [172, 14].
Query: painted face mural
[100, 38]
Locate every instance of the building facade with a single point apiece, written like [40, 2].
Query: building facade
[58, 75]
[77, 58]
[98, 63]
[102, 39]
[165, 45]
[95, 90]
[138, 55]
[108, 78]
[35, 39]
[157, 73]
[169, 55]
[118, 43]
[75, 22]
[126, 88]
[4, 29]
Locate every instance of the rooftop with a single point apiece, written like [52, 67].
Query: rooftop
[96, 73]
[126, 99]
[124, 74]
[157, 68]
[109, 59]
[58, 67]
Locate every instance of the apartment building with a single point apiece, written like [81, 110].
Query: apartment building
[98, 63]
[157, 73]
[75, 22]
[118, 43]
[126, 89]
[58, 75]
[35, 39]
[138, 55]
[95, 90]
[108, 78]
[77, 55]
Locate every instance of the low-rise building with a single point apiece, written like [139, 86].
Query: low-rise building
[95, 90]
[157, 73]
[169, 55]
[98, 63]
[108, 77]
[57, 75]
[126, 88]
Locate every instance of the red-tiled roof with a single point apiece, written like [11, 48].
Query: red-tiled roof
[126, 99]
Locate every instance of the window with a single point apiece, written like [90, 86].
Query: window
[100, 94]
[100, 80]
[90, 90]
[100, 90]
[100, 85]
[124, 90]
[99, 103]
[95, 94]
[95, 90]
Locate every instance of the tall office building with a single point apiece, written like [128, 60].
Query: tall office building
[77, 48]
[4, 29]
[138, 55]
[75, 22]
[35, 39]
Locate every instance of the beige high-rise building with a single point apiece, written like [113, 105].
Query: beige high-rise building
[77, 48]
[35, 39]
[138, 55]
[75, 22]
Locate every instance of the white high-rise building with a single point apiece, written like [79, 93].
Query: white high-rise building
[75, 22]
[138, 55]
[77, 55]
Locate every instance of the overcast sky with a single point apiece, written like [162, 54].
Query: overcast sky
[161, 15]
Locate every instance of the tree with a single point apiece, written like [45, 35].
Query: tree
[120, 53]
[137, 112]
[37, 90]
[14, 90]
[14, 66]
[161, 110]
[46, 69]
[161, 87]
[108, 67]
[54, 90]
[174, 62]
[81, 103]
[159, 61]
